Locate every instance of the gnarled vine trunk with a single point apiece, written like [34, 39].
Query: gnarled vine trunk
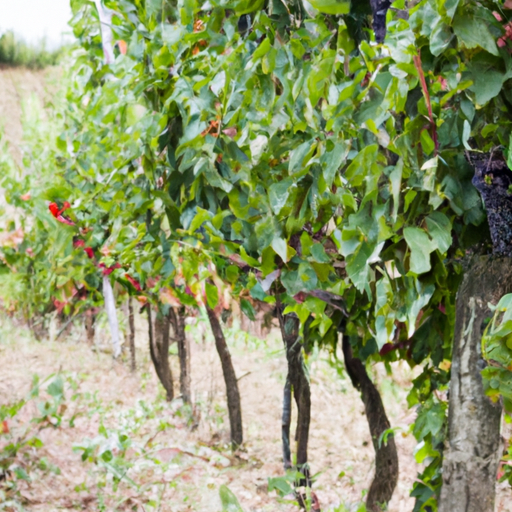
[297, 382]
[471, 457]
[159, 350]
[232, 392]
[177, 319]
[90, 327]
[386, 458]
[286, 422]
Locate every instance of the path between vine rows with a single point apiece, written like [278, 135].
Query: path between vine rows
[16, 86]
[340, 439]
[340, 447]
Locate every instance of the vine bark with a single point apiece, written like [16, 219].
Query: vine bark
[177, 319]
[131, 325]
[90, 327]
[386, 457]
[297, 382]
[159, 350]
[472, 455]
[232, 392]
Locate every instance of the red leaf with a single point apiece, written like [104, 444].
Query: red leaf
[109, 270]
[152, 281]
[65, 220]
[386, 348]
[57, 213]
[230, 132]
[300, 297]
[59, 305]
[123, 47]
[134, 282]
[54, 209]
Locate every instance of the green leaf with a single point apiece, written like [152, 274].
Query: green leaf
[56, 388]
[308, 276]
[298, 155]
[229, 500]
[430, 420]
[333, 160]
[331, 6]
[281, 248]
[362, 165]
[212, 295]
[278, 194]
[257, 292]
[421, 246]
[468, 108]
[395, 177]
[245, 6]
[200, 217]
[509, 156]
[505, 328]
[450, 6]
[290, 280]
[172, 34]
[487, 82]
[439, 228]
[440, 38]
[319, 254]
[247, 308]
[427, 142]
[358, 266]
[418, 296]
[466, 132]
[107, 456]
[250, 261]
[265, 232]
[473, 32]
[262, 49]
[193, 128]
[322, 270]
[215, 179]
[280, 484]
[21, 474]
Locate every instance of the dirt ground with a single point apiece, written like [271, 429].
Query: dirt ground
[340, 450]
[16, 85]
[198, 458]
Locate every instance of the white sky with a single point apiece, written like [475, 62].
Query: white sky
[35, 19]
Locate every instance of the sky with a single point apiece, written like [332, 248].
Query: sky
[35, 19]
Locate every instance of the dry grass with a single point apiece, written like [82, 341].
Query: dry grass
[16, 86]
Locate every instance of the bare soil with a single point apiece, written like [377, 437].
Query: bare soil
[16, 85]
[341, 451]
